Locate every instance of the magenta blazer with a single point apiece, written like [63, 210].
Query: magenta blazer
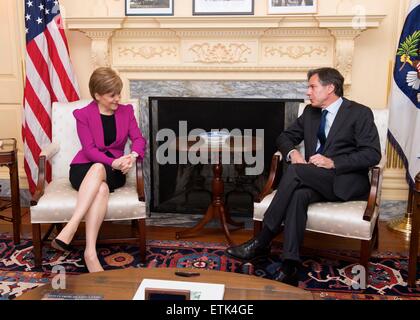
[91, 135]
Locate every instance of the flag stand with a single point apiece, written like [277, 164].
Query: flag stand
[403, 224]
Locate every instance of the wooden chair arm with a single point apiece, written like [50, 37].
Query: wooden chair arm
[139, 179]
[46, 154]
[272, 178]
[40, 187]
[51, 150]
[373, 194]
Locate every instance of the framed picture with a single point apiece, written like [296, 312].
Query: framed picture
[149, 7]
[223, 7]
[292, 6]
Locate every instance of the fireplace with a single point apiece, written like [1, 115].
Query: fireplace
[183, 187]
[180, 99]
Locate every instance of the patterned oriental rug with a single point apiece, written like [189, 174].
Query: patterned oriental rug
[328, 279]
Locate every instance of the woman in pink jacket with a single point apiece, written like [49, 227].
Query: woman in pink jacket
[100, 166]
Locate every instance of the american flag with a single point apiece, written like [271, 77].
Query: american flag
[49, 78]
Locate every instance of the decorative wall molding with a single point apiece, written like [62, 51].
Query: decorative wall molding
[219, 43]
[344, 51]
[297, 33]
[100, 50]
[220, 34]
[145, 34]
[212, 68]
[348, 34]
[307, 22]
[94, 23]
[148, 52]
[203, 22]
[295, 51]
[220, 53]
[349, 22]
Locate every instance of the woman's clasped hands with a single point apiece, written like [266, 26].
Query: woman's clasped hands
[123, 163]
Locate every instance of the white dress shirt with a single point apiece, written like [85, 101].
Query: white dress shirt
[332, 113]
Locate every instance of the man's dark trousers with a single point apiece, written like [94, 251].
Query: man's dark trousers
[301, 185]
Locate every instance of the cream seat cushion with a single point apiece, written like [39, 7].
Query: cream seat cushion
[343, 219]
[59, 200]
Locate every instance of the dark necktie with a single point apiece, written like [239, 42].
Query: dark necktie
[321, 132]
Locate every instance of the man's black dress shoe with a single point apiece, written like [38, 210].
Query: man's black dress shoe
[289, 277]
[248, 251]
[60, 245]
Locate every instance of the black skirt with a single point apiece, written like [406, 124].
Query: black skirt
[114, 178]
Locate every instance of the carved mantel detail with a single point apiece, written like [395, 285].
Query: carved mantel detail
[148, 52]
[100, 49]
[344, 51]
[296, 52]
[220, 53]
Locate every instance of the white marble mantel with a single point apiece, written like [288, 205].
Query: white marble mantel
[221, 22]
[286, 46]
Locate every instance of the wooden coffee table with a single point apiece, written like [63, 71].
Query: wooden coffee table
[123, 284]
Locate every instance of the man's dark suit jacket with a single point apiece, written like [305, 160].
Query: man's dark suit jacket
[352, 143]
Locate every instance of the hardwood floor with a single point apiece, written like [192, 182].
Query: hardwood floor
[388, 240]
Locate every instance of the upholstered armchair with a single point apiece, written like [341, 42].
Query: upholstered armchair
[353, 219]
[53, 203]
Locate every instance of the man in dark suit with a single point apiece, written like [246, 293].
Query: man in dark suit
[341, 143]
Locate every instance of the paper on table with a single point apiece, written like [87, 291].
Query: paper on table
[70, 296]
[199, 290]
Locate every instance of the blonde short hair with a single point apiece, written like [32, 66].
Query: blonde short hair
[104, 80]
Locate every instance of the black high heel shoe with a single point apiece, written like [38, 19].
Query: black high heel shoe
[61, 246]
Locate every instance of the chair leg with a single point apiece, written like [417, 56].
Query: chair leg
[365, 252]
[376, 236]
[376, 242]
[257, 227]
[36, 239]
[142, 239]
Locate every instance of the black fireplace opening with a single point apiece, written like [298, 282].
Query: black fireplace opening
[186, 188]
